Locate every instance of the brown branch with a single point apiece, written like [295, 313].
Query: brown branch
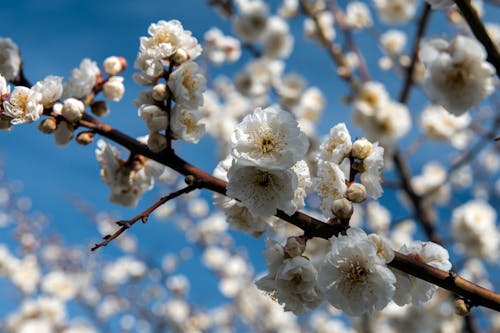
[144, 216]
[477, 27]
[311, 226]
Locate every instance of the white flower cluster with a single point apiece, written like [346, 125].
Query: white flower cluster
[381, 118]
[473, 226]
[439, 124]
[127, 180]
[457, 75]
[170, 45]
[292, 279]
[265, 147]
[353, 275]
[253, 25]
[10, 59]
[395, 11]
[332, 183]
[219, 48]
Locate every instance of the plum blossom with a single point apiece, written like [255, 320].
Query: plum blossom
[395, 11]
[292, 281]
[410, 289]
[269, 138]
[127, 180]
[457, 75]
[187, 85]
[81, 80]
[262, 191]
[353, 277]
[251, 21]
[185, 124]
[337, 145]
[50, 88]
[473, 226]
[330, 184]
[10, 59]
[219, 48]
[24, 106]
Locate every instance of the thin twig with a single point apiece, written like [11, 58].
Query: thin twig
[144, 216]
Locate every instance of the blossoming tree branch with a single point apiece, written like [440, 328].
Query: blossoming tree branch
[277, 178]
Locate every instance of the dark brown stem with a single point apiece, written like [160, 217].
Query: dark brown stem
[478, 29]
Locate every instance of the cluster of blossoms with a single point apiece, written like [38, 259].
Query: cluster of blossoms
[338, 160]
[352, 276]
[170, 45]
[457, 75]
[66, 101]
[381, 118]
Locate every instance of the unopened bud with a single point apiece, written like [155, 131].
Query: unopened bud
[356, 192]
[85, 138]
[295, 246]
[342, 208]
[156, 142]
[72, 109]
[114, 65]
[99, 108]
[180, 56]
[114, 88]
[48, 125]
[461, 307]
[160, 92]
[361, 148]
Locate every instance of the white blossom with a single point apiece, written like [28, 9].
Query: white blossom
[60, 284]
[238, 216]
[166, 38]
[251, 21]
[10, 59]
[81, 80]
[410, 289]
[292, 282]
[72, 109]
[393, 41]
[187, 85]
[357, 15]
[330, 184]
[50, 88]
[276, 40]
[23, 106]
[457, 75]
[219, 48]
[114, 88]
[431, 184]
[269, 138]
[473, 226]
[156, 119]
[372, 169]
[337, 145]
[262, 191]
[353, 276]
[438, 124]
[114, 65]
[395, 11]
[185, 124]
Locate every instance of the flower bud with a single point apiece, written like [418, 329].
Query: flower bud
[72, 109]
[180, 56]
[356, 192]
[63, 133]
[114, 65]
[156, 142]
[295, 246]
[85, 138]
[342, 208]
[361, 148]
[99, 108]
[48, 125]
[160, 92]
[114, 88]
[461, 307]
